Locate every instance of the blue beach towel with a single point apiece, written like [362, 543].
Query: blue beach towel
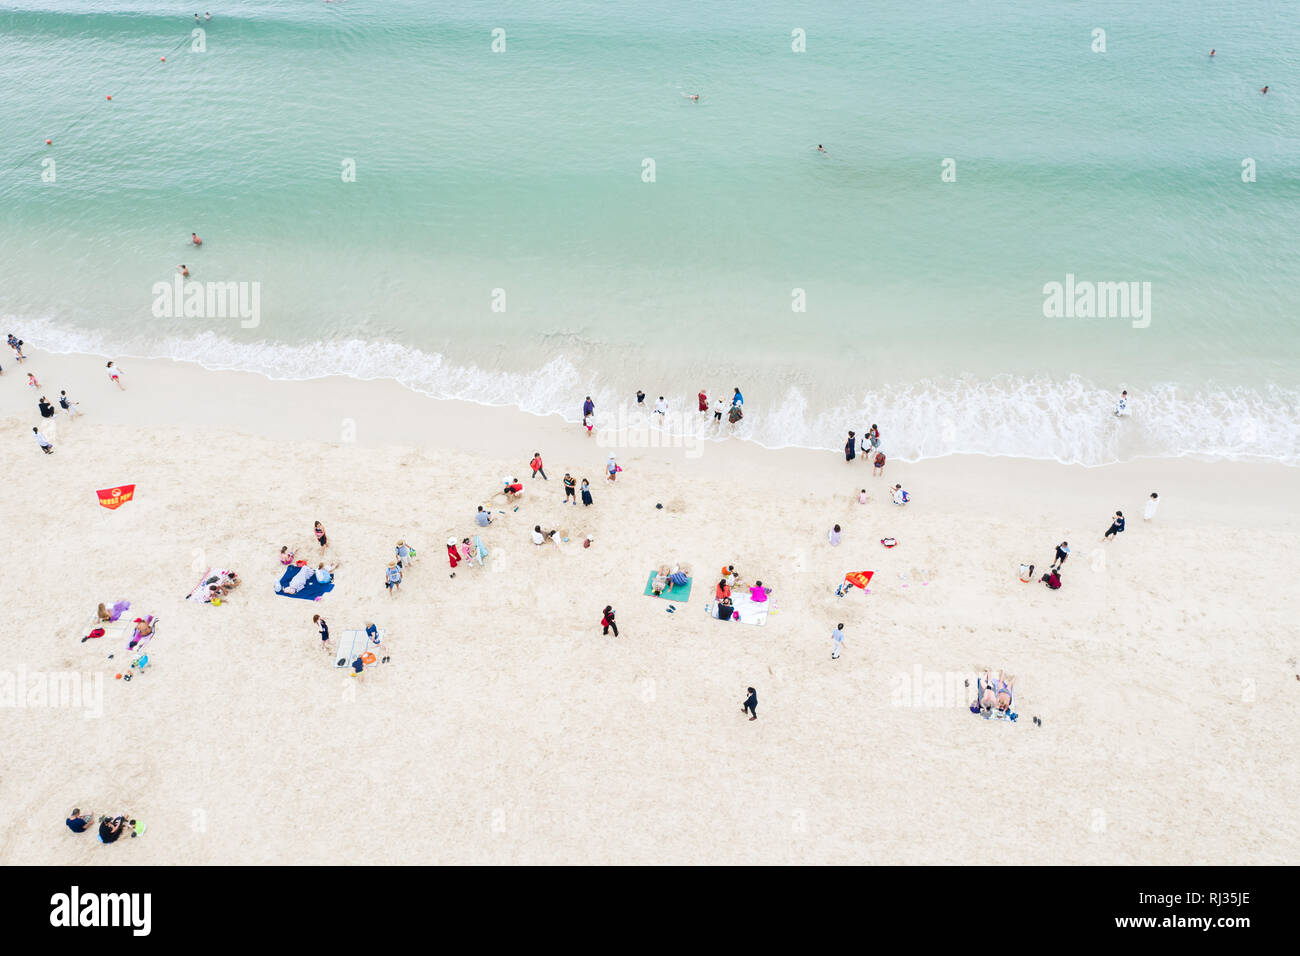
[311, 592]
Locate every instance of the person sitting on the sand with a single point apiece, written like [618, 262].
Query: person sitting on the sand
[325, 575]
[901, 497]
[110, 828]
[286, 555]
[513, 491]
[102, 615]
[758, 594]
[78, 821]
[1052, 579]
[723, 591]
[724, 610]
[300, 580]
[1026, 573]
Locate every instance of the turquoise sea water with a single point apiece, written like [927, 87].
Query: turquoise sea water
[521, 171]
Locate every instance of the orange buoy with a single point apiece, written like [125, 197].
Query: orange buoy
[47, 142]
[109, 97]
[163, 58]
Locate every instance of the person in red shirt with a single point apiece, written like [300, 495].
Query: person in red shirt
[537, 465]
[704, 401]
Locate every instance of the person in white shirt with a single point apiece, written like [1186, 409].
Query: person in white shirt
[43, 441]
[661, 407]
[1153, 503]
[837, 641]
[718, 408]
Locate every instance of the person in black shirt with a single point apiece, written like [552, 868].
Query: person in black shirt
[1116, 525]
[78, 821]
[750, 706]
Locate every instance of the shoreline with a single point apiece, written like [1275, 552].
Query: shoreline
[1066, 422]
[524, 735]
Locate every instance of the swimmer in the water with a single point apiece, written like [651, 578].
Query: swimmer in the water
[1211, 53]
[693, 97]
[1264, 90]
[182, 270]
[195, 239]
[821, 148]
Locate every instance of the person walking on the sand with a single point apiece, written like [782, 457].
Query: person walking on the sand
[750, 706]
[607, 621]
[837, 641]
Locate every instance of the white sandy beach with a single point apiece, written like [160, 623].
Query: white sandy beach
[507, 729]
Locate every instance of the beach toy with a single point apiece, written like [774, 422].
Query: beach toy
[889, 542]
[367, 658]
[216, 602]
[659, 507]
[318, 597]
[117, 676]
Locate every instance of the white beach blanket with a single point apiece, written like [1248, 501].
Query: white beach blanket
[748, 611]
[352, 644]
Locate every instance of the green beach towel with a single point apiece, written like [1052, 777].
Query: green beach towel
[679, 592]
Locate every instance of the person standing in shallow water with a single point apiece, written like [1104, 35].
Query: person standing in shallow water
[750, 706]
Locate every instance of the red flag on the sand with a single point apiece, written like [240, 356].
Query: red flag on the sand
[859, 579]
[112, 498]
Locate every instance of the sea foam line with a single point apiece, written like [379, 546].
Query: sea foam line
[1067, 421]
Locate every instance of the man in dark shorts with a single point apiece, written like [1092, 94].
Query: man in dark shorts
[570, 489]
[1116, 525]
[1062, 552]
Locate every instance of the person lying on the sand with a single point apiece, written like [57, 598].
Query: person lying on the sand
[300, 580]
[662, 581]
[1003, 688]
[680, 575]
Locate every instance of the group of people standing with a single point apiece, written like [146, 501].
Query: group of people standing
[868, 445]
